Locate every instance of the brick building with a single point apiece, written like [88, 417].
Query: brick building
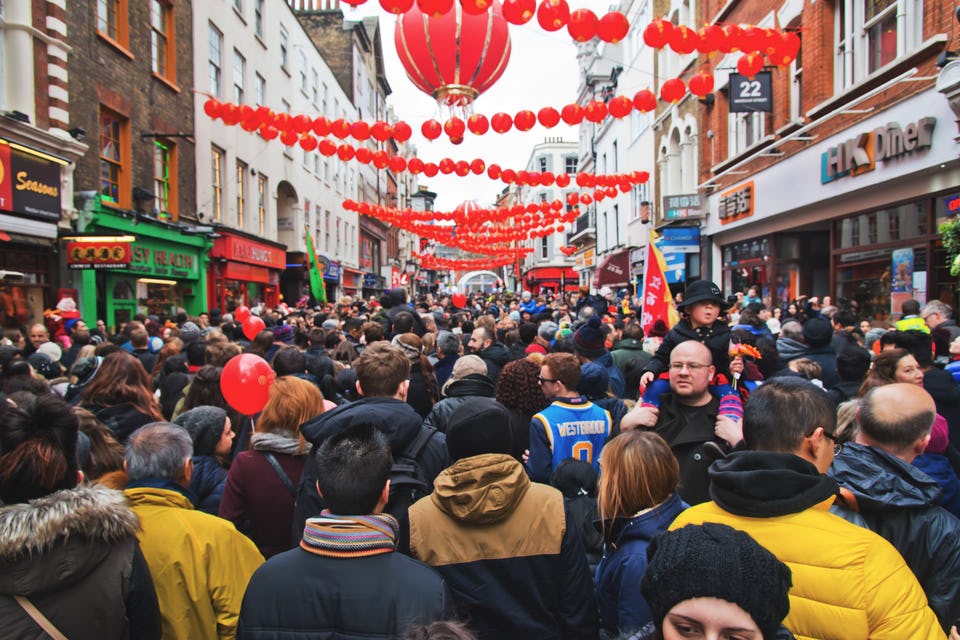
[839, 188]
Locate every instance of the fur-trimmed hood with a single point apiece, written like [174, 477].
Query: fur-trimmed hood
[61, 537]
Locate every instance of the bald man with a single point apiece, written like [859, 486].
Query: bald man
[687, 419]
[897, 500]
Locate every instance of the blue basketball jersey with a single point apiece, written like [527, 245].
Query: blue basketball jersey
[575, 431]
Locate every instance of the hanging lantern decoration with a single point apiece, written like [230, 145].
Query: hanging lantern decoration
[363, 155]
[401, 131]
[620, 107]
[684, 40]
[431, 129]
[572, 114]
[582, 25]
[501, 122]
[673, 90]
[455, 57]
[475, 7]
[548, 117]
[478, 124]
[212, 108]
[645, 101]
[657, 33]
[360, 130]
[613, 27]
[436, 9]
[519, 11]
[701, 83]
[524, 120]
[751, 39]
[595, 111]
[562, 180]
[731, 38]
[553, 14]
[750, 64]
[381, 131]
[710, 38]
[454, 127]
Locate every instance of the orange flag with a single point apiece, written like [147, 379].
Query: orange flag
[657, 300]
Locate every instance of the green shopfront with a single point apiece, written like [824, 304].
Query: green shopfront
[166, 270]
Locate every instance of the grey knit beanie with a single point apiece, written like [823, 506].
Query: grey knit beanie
[205, 425]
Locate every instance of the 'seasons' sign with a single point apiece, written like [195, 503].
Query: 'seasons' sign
[861, 154]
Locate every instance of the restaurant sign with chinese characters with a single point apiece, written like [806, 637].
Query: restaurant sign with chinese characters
[736, 203]
[682, 207]
[99, 255]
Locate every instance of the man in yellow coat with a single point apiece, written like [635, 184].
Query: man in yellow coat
[848, 582]
[200, 563]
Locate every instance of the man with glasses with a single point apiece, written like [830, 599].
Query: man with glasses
[898, 500]
[688, 419]
[848, 582]
[571, 427]
[938, 314]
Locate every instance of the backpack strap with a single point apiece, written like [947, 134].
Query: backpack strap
[42, 621]
[417, 444]
[284, 478]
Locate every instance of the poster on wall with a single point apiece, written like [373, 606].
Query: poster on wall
[901, 280]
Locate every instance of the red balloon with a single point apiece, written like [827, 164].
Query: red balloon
[582, 25]
[548, 117]
[553, 14]
[645, 100]
[431, 129]
[212, 108]
[524, 120]
[519, 11]
[613, 27]
[657, 33]
[241, 313]
[620, 106]
[396, 7]
[435, 8]
[501, 122]
[245, 382]
[459, 300]
[252, 326]
[401, 131]
[475, 7]
[572, 114]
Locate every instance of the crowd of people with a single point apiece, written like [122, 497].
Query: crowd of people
[487, 466]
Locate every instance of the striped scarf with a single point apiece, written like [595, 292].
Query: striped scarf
[350, 536]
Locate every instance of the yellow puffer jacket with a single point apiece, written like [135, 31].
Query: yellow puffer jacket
[200, 564]
[848, 582]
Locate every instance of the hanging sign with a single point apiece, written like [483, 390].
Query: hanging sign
[749, 95]
[99, 255]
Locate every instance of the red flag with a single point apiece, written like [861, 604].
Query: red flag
[657, 301]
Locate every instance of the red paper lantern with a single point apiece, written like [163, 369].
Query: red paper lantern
[572, 114]
[302, 123]
[493, 171]
[308, 142]
[454, 127]
[360, 130]
[501, 122]
[478, 124]
[477, 166]
[401, 131]
[751, 39]
[524, 120]
[620, 106]
[340, 128]
[642, 176]
[381, 131]
[461, 168]
[562, 180]
[212, 108]
[595, 111]
[701, 83]
[508, 176]
[657, 33]
[363, 155]
[435, 8]
[446, 166]
[645, 100]
[585, 180]
[415, 165]
[750, 64]
[397, 164]
[230, 113]
[683, 39]
[269, 133]
[711, 36]
[431, 129]
[456, 57]
[396, 7]
[519, 11]
[673, 90]
[586, 199]
[327, 148]
[613, 27]
[380, 159]
[553, 14]
[582, 25]
[345, 152]
[321, 126]
[547, 178]
[289, 138]
[548, 117]
[731, 38]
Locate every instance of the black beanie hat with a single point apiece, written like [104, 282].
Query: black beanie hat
[716, 561]
[205, 425]
[817, 332]
[588, 340]
[479, 425]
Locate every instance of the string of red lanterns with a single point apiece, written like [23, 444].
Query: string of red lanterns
[433, 263]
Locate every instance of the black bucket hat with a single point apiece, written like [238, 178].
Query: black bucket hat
[702, 291]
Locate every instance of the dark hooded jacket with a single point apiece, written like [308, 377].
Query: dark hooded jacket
[398, 422]
[629, 349]
[122, 419]
[473, 385]
[716, 338]
[690, 433]
[207, 483]
[74, 555]
[496, 357]
[790, 349]
[946, 394]
[900, 502]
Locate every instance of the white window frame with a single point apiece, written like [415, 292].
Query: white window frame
[215, 60]
[743, 131]
[239, 71]
[852, 35]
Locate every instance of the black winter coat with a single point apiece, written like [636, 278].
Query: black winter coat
[423, 390]
[496, 357]
[715, 337]
[900, 503]
[456, 392]
[693, 442]
[398, 422]
[207, 483]
[946, 394]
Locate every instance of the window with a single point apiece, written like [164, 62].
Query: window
[258, 18]
[165, 178]
[216, 181]
[239, 69]
[162, 50]
[285, 107]
[315, 87]
[284, 44]
[544, 248]
[871, 34]
[303, 71]
[337, 239]
[114, 158]
[215, 59]
[640, 202]
[745, 130]
[570, 164]
[238, 6]
[323, 100]
[241, 192]
[260, 87]
[326, 231]
[112, 20]
[796, 85]
[542, 164]
[262, 194]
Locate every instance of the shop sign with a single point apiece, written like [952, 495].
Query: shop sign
[587, 259]
[370, 281]
[749, 95]
[951, 205]
[682, 207]
[165, 260]
[332, 272]
[860, 154]
[99, 255]
[243, 250]
[29, 184]
[736, 204]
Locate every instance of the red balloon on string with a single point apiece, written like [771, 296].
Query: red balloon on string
[645, 100]
[459, 300]
[613, 27]
[245, 382]
[519, 11]
[501, 122]
[252, 326]
[524, 120]
[475, 7]
[620, 106]
[478, 124]
[582, 25]
[212, 108]
[572, 114]
[553, 14]
[431, 129]
[396, 7]
[435, 8]
[657, 33]
[401, 131]
[548, 117]
[241, 313]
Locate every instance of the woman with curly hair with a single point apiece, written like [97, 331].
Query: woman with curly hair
[261, 484]
[517, 389]
[120, 395]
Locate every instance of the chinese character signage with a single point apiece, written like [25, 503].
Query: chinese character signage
[748, 95]
[682, 207]
[99, 255]
[737, 203]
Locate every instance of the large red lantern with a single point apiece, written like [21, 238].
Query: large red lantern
[582, 25]
[684, 40]
[645, 100]
[657, 33]
[455, 57]
[673, 90]
[613, 27]
[548, 117]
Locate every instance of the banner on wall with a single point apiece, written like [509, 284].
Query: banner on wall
[99, 255]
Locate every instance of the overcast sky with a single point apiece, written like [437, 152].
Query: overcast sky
[542, 72]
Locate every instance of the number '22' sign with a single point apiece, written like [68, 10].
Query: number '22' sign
[749, 95]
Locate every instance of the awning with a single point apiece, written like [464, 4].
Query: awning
[614, 270]
[551, 274]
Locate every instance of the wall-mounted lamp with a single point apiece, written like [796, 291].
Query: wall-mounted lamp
[77, 133]
[708, 100]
